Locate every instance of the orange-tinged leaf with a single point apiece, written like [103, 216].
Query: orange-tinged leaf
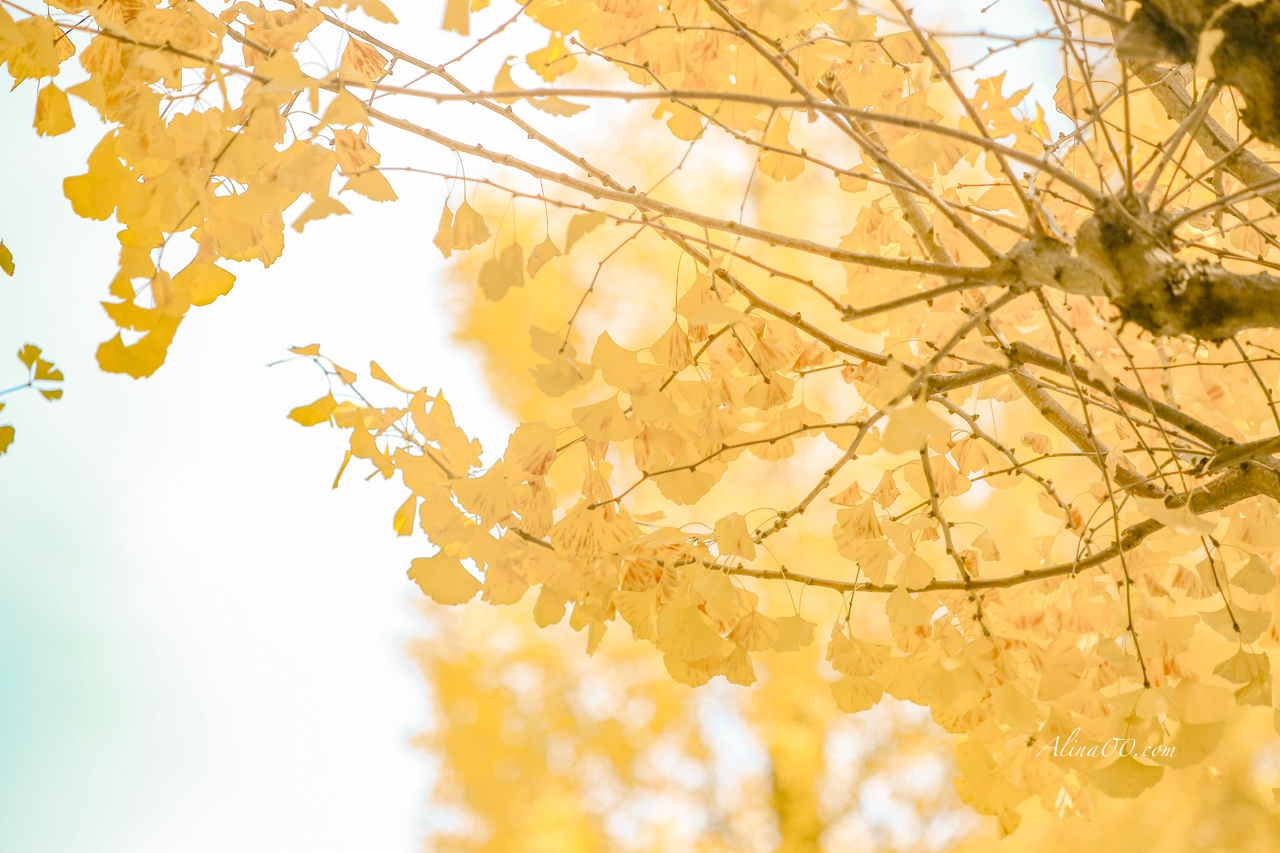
[309, 349]
[363, 61]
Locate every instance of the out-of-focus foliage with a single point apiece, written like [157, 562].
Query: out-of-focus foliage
[803, 307]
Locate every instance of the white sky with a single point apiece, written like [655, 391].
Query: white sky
[201, 644]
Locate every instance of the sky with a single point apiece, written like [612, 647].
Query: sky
[202, 645]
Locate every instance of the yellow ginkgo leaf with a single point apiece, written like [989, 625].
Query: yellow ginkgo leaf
[732, 537]
[444, 234]
[605, 421]
[314, 413]
[910, 427]
[53, 112]
[6, 260]
[541, 254]
[444, 579]
[855, 693]
[203, 282]
[319, 209]
[1125, 778]
[502, 272]
[371, 184]
[404, 517]
[580, 226]
[468, 228]
[686, 633]
[6, 438]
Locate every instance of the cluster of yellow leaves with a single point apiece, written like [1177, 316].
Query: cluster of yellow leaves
[41, 375]
[175, 163]
[724, 438]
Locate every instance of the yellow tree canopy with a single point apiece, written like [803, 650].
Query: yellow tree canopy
[821, 336]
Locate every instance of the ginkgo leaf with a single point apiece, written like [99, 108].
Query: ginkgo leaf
[371, 184]
[28, 355]
[1238, 622]
[686, 633]
[855, 693]
[381, 375]
[717, 314]
[910, 427]
[444, 579]
[309, 349]
[375, 9]
[345, 109]
[404, 517]
[468, 228]
[6, 260]
[203, 282]
[45, 370]
[363, 61]
[51, 394]
[553, 60]
[605, 421]
[541, 254]
[444, 234]
[1125, 778]
[905, 610]
[142, 358]
[319, 209]
[502, 272]
[314, 413]
[557, 106]
[794, 633]
[580, 226]
[457, 16]
[732, 537]
[618, 366]
[53, 112]
[1181, 518]
[6, 438]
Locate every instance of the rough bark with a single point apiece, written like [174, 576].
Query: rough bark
[1240, 42]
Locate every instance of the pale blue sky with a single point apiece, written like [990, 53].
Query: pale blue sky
[201, 644]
